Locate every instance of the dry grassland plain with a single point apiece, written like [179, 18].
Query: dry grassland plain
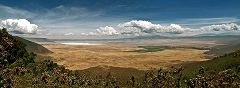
[80, 57]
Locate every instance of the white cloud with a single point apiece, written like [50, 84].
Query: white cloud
[107, 30]
[139, 27]
[145, 27]
[19, 26]
[221, 27]
[55, 19]
[148, 27]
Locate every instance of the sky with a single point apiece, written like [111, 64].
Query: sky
[73, 17]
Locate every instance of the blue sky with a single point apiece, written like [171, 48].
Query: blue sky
[88, 15]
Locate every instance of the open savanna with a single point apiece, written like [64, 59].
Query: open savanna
[79, 57]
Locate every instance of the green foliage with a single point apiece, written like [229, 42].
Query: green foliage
[152, 48]
[4, 32]
[161, 48]
[13, 51]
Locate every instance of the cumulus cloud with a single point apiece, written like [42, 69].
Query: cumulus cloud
[19, 26]
[139, 27]
[221, 27]
[146, 27]
[107, 30]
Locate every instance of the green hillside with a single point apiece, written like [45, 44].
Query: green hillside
[33, 47]
[215, 65]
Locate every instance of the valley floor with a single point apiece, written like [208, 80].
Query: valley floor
[79, 57]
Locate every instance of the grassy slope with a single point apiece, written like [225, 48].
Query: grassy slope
[33, 47]
[224, 60]
[122, 74]
[230, 43]
[223, 49]
[213, 66]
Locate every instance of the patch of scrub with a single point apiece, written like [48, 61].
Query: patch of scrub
[144, 49]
